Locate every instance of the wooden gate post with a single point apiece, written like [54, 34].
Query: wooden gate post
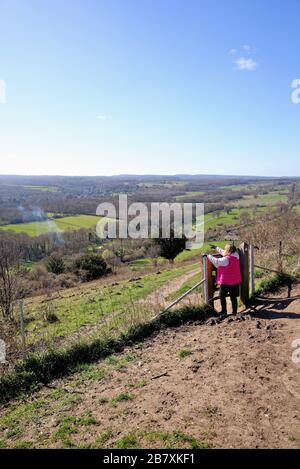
[244, 260]
[208, 283]
[22, 328]
[251, 270]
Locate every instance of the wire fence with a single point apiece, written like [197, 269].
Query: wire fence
[41, 331]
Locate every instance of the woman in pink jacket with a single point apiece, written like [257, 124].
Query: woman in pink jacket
[228, 275]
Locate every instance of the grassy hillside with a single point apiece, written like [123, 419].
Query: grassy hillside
[84, 306]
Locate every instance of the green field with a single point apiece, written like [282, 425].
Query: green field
[181, 198]
[224, 218]
[40, 188]
[147, 262]
[238, 187]
[272, 198]
[68, 223]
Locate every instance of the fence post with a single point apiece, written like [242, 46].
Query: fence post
[205, 286]
[22, 328]
[244, 260]
[251, 270]
[280, 266]
[208, 284]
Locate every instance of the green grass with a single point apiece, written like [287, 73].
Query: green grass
[70, 424]
[14, 422]
[129, 441]
[40, 188]
[297, 208]
[41, 368]
[88, 372]
[238, 187]
[3, 444]
[20, 415]
[267, 200]
[272, 283]
[103, 438]
[232, 218]
[123, 396]
[175, 439]
[23, 444]
[87, 307]
[184, 353]
[188, 195]
[68, 223]
[147, 262]
[196, 253]
[185, 287]
[160, 439]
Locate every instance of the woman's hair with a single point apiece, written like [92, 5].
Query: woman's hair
[230, 249]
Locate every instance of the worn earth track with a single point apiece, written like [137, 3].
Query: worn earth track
[235, 386]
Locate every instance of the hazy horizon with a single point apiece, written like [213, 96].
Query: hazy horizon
[169, 175]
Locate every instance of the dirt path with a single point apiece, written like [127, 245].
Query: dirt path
[159, 298]
[231, 384]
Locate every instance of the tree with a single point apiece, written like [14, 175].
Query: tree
[10, 254]
[172, 246]
[153, 252]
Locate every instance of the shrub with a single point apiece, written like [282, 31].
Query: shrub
[67, 280]
[91, 267]
[270, 285]
[55, 265]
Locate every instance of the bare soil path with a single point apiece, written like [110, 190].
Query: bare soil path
[231, 385]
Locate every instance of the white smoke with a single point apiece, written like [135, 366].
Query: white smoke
[36, 214]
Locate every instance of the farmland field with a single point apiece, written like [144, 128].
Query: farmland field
[224, 218]
[68, 223]
[269, 199]
[188, 195]
[40, 188]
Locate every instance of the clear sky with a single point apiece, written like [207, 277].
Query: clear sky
[100, 87]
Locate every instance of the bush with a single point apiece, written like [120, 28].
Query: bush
[91, 267]
[56, 265]
[67, 280]
[272, 284]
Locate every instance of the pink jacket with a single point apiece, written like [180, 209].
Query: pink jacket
[229, 270]
[231, 274]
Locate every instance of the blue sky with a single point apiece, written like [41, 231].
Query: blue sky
[100, 87]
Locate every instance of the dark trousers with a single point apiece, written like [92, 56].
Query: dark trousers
[233, 291]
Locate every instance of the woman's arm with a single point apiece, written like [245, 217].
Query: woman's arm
[220, 250]
[218, 261]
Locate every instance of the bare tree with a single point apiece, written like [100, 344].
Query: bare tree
[10, 254]
[153, 252]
